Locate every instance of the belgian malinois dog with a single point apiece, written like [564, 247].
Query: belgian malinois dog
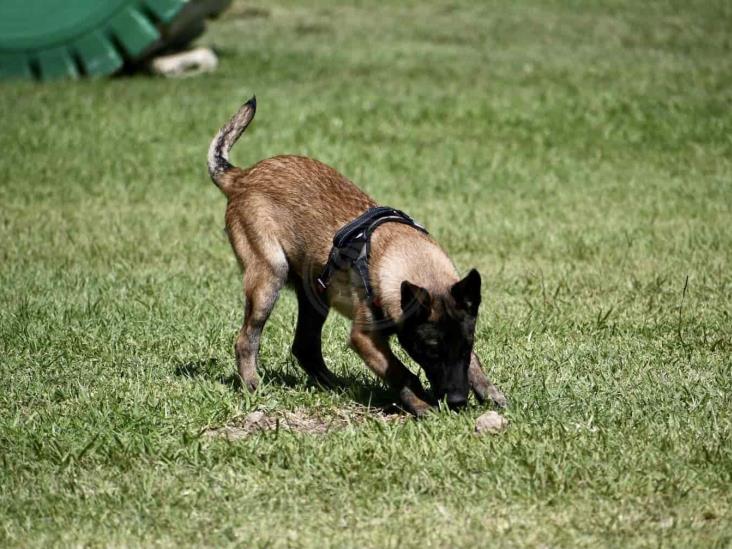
[281, 218]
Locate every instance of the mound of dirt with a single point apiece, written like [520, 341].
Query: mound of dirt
[299, 421]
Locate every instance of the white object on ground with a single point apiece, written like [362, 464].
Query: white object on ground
[490, 422]
[187, 63]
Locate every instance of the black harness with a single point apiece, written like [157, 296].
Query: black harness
[352, 245]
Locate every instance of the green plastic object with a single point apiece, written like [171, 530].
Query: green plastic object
[46, 39]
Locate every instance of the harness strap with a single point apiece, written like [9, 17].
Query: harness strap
[352, 246]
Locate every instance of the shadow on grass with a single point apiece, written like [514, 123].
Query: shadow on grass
[363, 392]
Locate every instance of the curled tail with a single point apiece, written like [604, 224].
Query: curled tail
[218, 151]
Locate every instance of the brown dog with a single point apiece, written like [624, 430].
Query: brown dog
[281, 218]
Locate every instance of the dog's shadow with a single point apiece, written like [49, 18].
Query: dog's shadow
[356, 388]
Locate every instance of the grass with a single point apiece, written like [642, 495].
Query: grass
[578, 154]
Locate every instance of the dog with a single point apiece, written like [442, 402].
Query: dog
[281, 217]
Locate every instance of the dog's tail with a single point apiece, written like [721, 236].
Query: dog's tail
[218, 151]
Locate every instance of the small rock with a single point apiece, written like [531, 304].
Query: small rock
[490, 422]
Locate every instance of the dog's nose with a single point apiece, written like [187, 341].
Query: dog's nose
[455, 402]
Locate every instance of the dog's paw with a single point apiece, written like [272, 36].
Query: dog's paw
[250, 382]
[325, 378]
[488, 391]
[499, 399]
[413, 404]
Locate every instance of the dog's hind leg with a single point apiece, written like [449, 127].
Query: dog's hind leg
[263, 281]
[307, 343]
[481, 385]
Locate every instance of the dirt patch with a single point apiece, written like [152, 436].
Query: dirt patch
[299, 421]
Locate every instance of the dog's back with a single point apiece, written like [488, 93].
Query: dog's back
[297, 201]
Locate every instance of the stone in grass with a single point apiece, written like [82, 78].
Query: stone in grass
[490, 422]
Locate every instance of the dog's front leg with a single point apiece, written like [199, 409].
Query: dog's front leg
[481, 385]
[374, 349]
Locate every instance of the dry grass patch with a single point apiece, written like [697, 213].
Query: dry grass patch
[309, 422]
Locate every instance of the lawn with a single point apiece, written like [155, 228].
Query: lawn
[579, 154]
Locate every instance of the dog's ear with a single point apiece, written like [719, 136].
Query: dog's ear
[467, 292]
[416, 301]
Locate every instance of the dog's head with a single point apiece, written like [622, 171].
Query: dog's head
[437, 331]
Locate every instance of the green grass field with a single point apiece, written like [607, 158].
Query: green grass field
[579, 154]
